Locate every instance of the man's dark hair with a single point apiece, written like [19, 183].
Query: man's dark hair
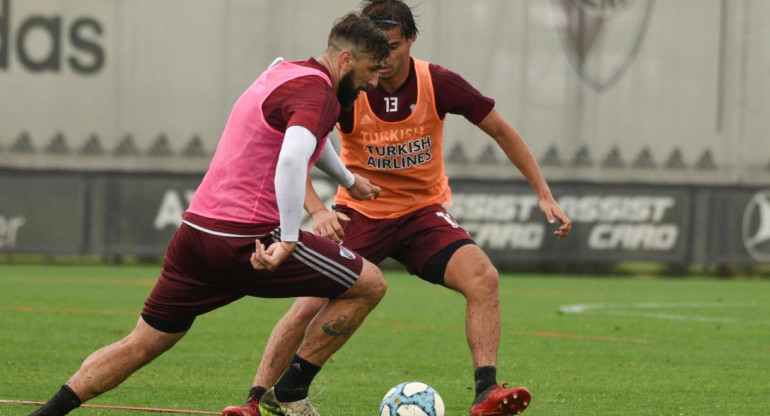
[388, 14]
[358, 30]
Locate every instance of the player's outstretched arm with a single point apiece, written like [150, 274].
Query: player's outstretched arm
[519, 154]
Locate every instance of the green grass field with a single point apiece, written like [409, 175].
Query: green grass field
[632, 346]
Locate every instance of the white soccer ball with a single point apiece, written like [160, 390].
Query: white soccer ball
[412, 398]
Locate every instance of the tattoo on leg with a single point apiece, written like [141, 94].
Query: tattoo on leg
[337, 327]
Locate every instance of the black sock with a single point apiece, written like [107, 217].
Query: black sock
[256, 393]
[485, 377]
[60, 404]
[295, 381]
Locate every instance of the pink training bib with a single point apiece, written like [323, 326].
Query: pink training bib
[240, 183]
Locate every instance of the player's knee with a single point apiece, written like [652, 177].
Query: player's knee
[490, 276]
[374, 285]
[370, 286]
[486, 281]
[305, 309]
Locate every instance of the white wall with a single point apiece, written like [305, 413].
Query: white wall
[699, 83]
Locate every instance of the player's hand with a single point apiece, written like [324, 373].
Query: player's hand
[362, 189]
[554, 213]
[328, 224]
[270, 258]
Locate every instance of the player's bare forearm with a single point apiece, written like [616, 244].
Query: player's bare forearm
[325, 223]
[313, 202]
[517, 151]
[519, 154]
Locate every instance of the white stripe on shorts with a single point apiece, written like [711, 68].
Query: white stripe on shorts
[303, 252]
[324, 265]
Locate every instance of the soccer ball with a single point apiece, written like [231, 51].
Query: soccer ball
[412, 398]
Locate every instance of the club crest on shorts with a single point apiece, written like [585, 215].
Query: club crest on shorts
[347, 253]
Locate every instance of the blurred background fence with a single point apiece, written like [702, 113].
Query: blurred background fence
[649, 118]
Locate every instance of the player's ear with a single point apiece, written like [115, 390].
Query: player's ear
[346, 60]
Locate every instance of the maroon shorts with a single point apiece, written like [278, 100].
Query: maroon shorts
[413, 239]
[203, 271]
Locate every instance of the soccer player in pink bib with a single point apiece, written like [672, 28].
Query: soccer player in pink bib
[240, 236]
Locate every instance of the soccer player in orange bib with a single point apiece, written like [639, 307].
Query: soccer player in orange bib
[393, 136]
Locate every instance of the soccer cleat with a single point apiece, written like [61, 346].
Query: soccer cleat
[270, 406]
[251, 408]
[501, 401]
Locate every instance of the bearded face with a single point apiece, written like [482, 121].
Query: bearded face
[347, 91]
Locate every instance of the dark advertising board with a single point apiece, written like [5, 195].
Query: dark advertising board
[43, 213]
[738, 227]
[137, 214]
[610, 223]
[142, 213]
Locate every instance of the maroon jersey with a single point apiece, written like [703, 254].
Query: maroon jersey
[304, 101]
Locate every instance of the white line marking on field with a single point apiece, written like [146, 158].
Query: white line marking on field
[678, 317]
[620, 309]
